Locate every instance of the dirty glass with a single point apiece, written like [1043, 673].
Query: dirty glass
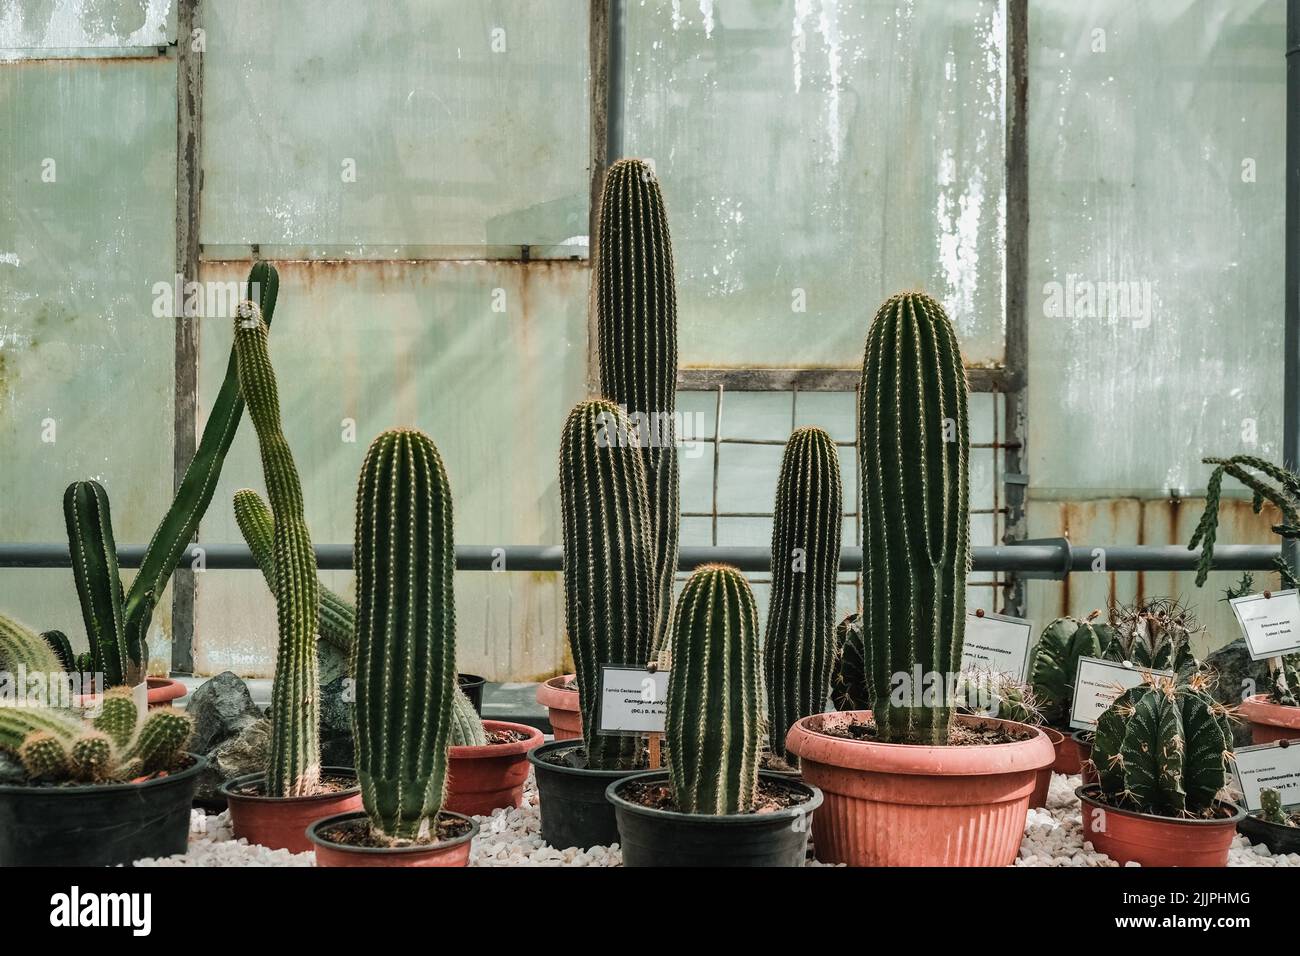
[39, 28]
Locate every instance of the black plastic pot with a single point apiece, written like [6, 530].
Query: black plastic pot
[653, 837]
[471, 686]
[97, 825]
[574, 809]
[1278, 838]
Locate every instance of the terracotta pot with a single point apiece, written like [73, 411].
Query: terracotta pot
[1128, 836]
[1068, 759]
[1270, 722]
[909, 805]
[453, 852]
[1083, 743]
[1043, 782]
[281, 822]
[485, 778]
[164, 690]
[566, 718]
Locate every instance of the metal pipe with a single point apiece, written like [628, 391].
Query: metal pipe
[1291, 336]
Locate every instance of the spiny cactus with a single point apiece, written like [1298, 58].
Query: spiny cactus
[294, 765]
[913, 440]
[62, 648]
[1156, 634]
[851, 668]
[1273, 484]
[404, 656]
[715, 693]
[1163, 748]
[1055, 662]
[995, 694]
[119, 718]
[91, 758]
[798, 646]
[117, 623]
[609, 578]
[466, 726]
[1271, 809]
[21, 646]
[161, 740]
[636, 318]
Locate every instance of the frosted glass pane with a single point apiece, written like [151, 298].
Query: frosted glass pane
[365, 347]
[85, 367]
[816, 158]
[31, 28]
[1156, 144]
[417, 122]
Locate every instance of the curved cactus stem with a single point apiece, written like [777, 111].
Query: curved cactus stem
[88, 518]
[62, 648]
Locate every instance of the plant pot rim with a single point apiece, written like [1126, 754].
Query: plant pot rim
[551, 694]
[535, 758]
[1254, 816]
[806, 808]
[1052, 730]
[1088, 794]
[509, 749]
[464, 679]
[227, 788]
[318, 840]
[1258, 709]
[1083, 738]
[194, 769]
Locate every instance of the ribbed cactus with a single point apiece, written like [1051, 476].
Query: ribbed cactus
[636, 317]
[995, 694]
[715, 692]
[798, 648]
[404, 657]
[117, 623]
[62, 647]
[21, 646]
[294, 766]
[851, 668]
[913, 442]
[119, 718]
[1163, 747]
[1271, 809]
[1156, 634]
[44, 757]
[610, 602]
[1055, 662]
[467, 728]
[91, 758]
[160, 742]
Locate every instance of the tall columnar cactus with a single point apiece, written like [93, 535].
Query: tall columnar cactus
[1163, 747]
[1156, 633]
[798, 648]
[851, 668]
[1055, 662]
[117, 623]
[294, 766]
[715, 692]
[62, 647]
[913, 443]
[467, 728]
[636, 316]
[404, 656]
[21, 646]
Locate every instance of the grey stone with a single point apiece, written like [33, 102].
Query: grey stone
[222, 708]
[1238, 677]
[248, 752]
[336, 723]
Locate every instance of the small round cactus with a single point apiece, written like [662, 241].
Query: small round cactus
[43, 756]
[92, 758]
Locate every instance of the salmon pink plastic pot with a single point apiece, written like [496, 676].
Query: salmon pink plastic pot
[1068, 759]
[1268, 721]
[281, 822]
[453, 852]
[1127, 836]
[163, 690]
[481, 779]
[913, 805]
[1044, 781]
[562, 703]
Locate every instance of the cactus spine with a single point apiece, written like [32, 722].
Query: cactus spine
[851, 668]
[798, 648]
[1156, 634]
[913, 442]
[610, 602]
[404, 656]
[715, 694]
[20, 646]
[294, 766]
[1055, 663]
[62, 647]
[636, 316]
[57, 747]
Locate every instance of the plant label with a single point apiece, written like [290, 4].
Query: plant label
[633, 700]
[140, 694]
[995, 642]
[1274, 766]
[1271, 625]
[1098, 684]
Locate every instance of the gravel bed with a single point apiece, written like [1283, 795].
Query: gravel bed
[1053, 837]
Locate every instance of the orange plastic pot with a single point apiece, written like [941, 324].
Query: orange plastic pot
[281, 822]
[1068, 759]
[481, 779]
[1043, 783]
[1127, 836]
[454, 852]
[163, 690]
[1268, 721]
[565, 716]
[908, 805]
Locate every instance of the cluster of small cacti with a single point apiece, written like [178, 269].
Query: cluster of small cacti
[404, 654]
[294, 765]
[1055, 662]
[1164, 747]
[1271, 809]
[799, 642]
[117, 746]
[1156, 634]
[913, 441]
[851, 667]
[995, 694]
[714, 725]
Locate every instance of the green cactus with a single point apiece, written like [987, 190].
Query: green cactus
[1156, 634]
[851, 668]
[119, 718]
[715, 693]
[1274, 484]
[404, 656]
[635, 302]
[44, 757]
[62, 648]
[294, 765]
[1271, 809]
[913, 440]
[91, 759]
[1055, 662]
[1164, 747]
[610, 602]
[56, 746]
[117, 624]
[995, 694]
[160, 742]
[798, 647]
[21, 646]
[466, 726]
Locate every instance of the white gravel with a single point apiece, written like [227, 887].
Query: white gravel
[1053, 837]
